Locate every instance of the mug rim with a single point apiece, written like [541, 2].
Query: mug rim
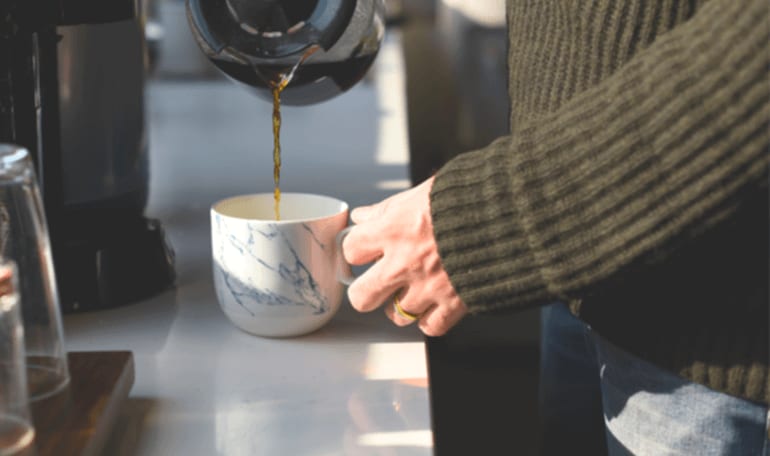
[345, 207]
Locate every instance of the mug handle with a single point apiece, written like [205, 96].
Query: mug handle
[344, 273]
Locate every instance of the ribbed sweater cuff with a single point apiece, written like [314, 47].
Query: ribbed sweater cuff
[479, 231]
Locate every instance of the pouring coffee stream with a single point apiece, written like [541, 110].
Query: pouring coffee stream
[277, 88]
[277, 145]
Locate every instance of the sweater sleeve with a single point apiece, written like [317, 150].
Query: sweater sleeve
[659, 151]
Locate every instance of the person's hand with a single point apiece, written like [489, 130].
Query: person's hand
[397, 233]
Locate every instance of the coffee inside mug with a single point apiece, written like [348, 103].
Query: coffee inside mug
[294, 207]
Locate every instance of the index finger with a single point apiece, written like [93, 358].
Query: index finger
[360, 245]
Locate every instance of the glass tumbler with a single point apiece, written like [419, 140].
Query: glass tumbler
[16, 430]
[24, 240]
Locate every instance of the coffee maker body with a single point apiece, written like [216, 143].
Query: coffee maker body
[72, 77]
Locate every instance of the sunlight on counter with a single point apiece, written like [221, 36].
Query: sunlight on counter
[420, 439]
[395, 361]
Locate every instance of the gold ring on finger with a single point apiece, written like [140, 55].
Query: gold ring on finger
[401, 312]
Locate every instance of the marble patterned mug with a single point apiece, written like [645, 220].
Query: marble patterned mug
[278, 278]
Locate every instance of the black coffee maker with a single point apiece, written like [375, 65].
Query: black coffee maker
[72, 92]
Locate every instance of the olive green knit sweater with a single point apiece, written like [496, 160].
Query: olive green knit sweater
[633, 184]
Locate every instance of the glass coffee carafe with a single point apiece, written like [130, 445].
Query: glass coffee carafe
[316, 48]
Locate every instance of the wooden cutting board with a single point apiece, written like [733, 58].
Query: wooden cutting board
[78, 421]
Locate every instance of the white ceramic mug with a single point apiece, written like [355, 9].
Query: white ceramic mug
[278, 278]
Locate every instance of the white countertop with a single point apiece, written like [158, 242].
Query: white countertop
[356, 387]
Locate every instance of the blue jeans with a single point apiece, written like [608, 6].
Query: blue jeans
[598, 399]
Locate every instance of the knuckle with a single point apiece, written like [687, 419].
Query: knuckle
[357, 298]
[389, 277]
[437, 324]
[383, 207]
[398, 321]
[401, 322]
[353, 298]
[431, 330]
[390, 274]
[350, 249]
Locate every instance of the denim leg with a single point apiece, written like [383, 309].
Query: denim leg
[649, 411]
[569, 396]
